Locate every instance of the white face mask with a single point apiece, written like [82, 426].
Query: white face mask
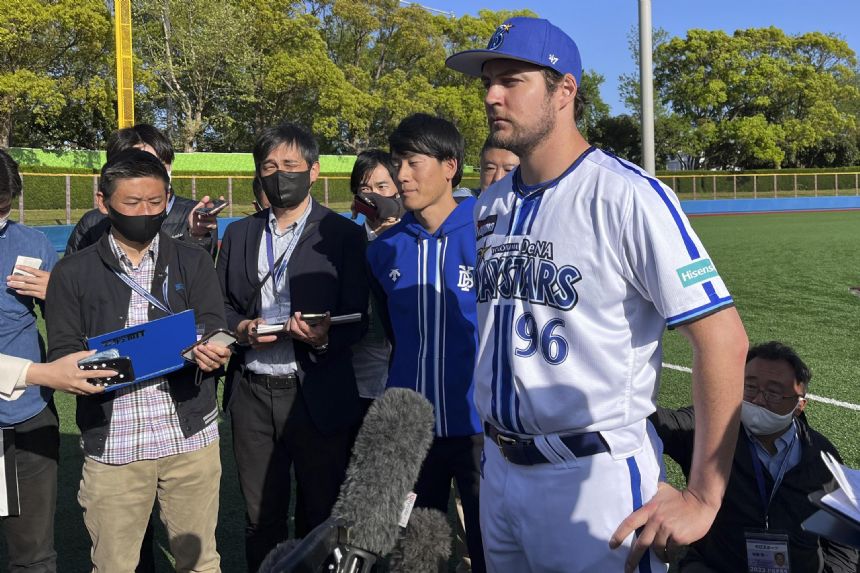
[761, 421]
[3, 221]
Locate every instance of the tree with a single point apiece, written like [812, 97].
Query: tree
[54, 56]
[197, 50]
[595, 108]
[760, 98]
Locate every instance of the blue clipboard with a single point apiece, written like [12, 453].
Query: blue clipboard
[155, 347]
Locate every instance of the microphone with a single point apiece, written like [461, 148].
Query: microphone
[386, 458]
[425, 546]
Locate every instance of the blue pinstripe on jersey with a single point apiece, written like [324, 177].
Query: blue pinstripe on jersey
[636, 490]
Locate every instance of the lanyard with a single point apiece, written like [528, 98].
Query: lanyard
[758, 469]
[284, 259]
[135, 286]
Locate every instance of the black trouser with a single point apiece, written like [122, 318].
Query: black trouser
[272, 431]
[30, 536]
[457, 458]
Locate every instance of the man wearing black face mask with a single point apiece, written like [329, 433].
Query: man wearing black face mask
[777, 463]
[291, 394]
[157, 438]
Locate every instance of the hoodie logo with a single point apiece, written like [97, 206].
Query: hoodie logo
[466, 279]
[394, 274]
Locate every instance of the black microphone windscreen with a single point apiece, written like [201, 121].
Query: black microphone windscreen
[425, 545]
[388, 453]
[271, 564]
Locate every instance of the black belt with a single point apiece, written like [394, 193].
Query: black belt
[272, 382]
[524, 452]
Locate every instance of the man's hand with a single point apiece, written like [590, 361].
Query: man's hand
[316, 335]
[210, 356]
[35, 286]
[670, 520]
[63, 374]
[380, 226]
[200, 224]
[247, 333]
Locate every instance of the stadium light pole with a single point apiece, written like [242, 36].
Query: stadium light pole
[124, 75]
[646, 86]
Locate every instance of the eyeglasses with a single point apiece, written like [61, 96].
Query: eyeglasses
[751, 392]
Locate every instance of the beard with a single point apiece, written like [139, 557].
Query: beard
[522, 140]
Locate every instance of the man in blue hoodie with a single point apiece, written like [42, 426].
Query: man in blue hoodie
[423, 277]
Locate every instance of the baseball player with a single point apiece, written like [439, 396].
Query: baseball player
[583, 261]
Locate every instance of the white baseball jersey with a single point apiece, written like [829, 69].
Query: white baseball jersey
[576, 283]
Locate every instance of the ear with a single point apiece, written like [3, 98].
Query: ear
[449, 166]
[801, 406]
[567, 90]
[315, 172]
[101, 202]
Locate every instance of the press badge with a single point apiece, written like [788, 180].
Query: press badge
[767, 552]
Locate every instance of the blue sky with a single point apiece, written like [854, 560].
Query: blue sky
[600, 28]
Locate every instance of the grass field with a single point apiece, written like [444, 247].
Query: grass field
[789, 275]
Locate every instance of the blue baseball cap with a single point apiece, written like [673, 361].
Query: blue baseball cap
[533, 40]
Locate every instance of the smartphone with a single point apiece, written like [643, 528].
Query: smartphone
[346, 318]
[120, 364]
[109, 353]
[27, 262]
[366, 206]
[269, 328]
[313, 319]
[220, 337]
[216, 208]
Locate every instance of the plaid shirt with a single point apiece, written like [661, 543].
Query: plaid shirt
[144, 424]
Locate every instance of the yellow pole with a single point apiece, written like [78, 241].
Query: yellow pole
[124, 77]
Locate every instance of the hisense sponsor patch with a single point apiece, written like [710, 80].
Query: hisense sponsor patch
[697, 272]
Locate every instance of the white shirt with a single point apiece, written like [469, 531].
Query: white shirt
[576, 285]
[278, 358]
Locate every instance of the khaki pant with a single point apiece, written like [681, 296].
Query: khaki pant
[117, 502]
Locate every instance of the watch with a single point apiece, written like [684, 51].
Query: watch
[321, 348]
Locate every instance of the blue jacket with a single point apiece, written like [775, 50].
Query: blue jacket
[426, 290]
[19, 335]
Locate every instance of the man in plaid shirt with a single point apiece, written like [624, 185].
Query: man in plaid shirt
[159, 437]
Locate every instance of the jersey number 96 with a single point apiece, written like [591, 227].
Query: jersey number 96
[552, 347]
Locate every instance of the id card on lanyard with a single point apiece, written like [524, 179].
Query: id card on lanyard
[767, 551]
[280, 311]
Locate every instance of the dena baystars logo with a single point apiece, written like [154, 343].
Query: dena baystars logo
[697, 272]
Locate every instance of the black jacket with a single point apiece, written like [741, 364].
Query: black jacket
[94, 224]
[327, 273]
[85, 298]
[723, 548]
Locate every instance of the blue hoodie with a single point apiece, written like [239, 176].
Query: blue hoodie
[426, 284]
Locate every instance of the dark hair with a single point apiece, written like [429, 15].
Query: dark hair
[131, 164]
[140, 134]
[774, 350]
[364, 165]
[10, 177]
[429, 135]
[552, 79]
[488, 145]
[290, 134]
